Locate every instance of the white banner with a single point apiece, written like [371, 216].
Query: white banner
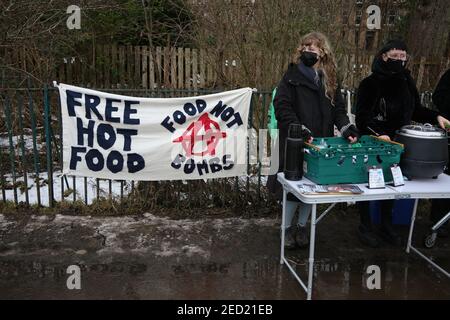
[119, 137]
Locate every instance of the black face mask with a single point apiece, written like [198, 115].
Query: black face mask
[395, 66]
[309, 58]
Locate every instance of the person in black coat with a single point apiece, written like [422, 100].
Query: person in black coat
[441, 99]
[387, 100]
[308, 95]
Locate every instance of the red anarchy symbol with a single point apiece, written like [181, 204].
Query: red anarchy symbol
[191, 136]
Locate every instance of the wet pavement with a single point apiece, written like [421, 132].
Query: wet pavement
[151, 257]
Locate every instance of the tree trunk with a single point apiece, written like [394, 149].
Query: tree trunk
[429, 28]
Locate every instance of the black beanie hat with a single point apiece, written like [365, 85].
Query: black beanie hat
[393, 44]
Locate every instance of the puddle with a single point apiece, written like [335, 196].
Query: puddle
[159, 258]
[408, 278]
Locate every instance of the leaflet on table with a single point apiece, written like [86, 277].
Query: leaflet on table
[329, 189]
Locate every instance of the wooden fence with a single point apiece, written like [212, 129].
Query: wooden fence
[111, 66]
[142, 67]
[425, 71]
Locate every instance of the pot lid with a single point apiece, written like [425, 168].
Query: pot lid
[426, 130]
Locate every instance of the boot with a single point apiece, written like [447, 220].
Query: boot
[301, 237]
[367, 236]
[388, 234]
[289, 238]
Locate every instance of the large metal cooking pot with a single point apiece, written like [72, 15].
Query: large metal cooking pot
[426, 150]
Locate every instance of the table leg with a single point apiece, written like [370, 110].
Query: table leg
[441, 222]
[312, 239]
[410, 247]
[411, 228]
[283, 229]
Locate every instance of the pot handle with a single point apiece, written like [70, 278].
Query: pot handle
[418, 128]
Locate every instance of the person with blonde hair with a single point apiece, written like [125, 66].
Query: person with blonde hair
[309, 95]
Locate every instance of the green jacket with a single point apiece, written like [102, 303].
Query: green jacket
[272, 124]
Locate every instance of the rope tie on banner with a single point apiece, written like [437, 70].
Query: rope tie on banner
[55, 84]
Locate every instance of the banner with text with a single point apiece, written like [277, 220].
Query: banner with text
[119, 137]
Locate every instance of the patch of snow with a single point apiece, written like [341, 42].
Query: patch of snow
[191, 250]
[166, 251]
[27, 139]
[4, 223]
[91, 189]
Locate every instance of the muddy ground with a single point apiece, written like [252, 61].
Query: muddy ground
[157, 257]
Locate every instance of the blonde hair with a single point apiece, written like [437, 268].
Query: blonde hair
[327, 62]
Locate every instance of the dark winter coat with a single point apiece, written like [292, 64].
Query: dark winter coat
[441, 99]
[441, 95]
[300, 100]
[386, 102]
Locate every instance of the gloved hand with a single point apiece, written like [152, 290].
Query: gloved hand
[306, 134]
[350, 131]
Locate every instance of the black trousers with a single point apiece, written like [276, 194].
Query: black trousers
[386, 213]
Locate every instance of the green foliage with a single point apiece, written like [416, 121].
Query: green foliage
[132, 22]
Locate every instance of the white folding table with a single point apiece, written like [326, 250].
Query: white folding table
[415, 189]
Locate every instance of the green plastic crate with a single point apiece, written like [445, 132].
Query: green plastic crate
[338, 161]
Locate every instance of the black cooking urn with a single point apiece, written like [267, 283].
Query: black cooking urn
[426, 150]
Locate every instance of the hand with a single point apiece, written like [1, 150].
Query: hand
[351, 133]
[385, 137]
[306, 134]
[443, 123]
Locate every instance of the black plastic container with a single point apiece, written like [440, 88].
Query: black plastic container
[426, 151]
[293, 153]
